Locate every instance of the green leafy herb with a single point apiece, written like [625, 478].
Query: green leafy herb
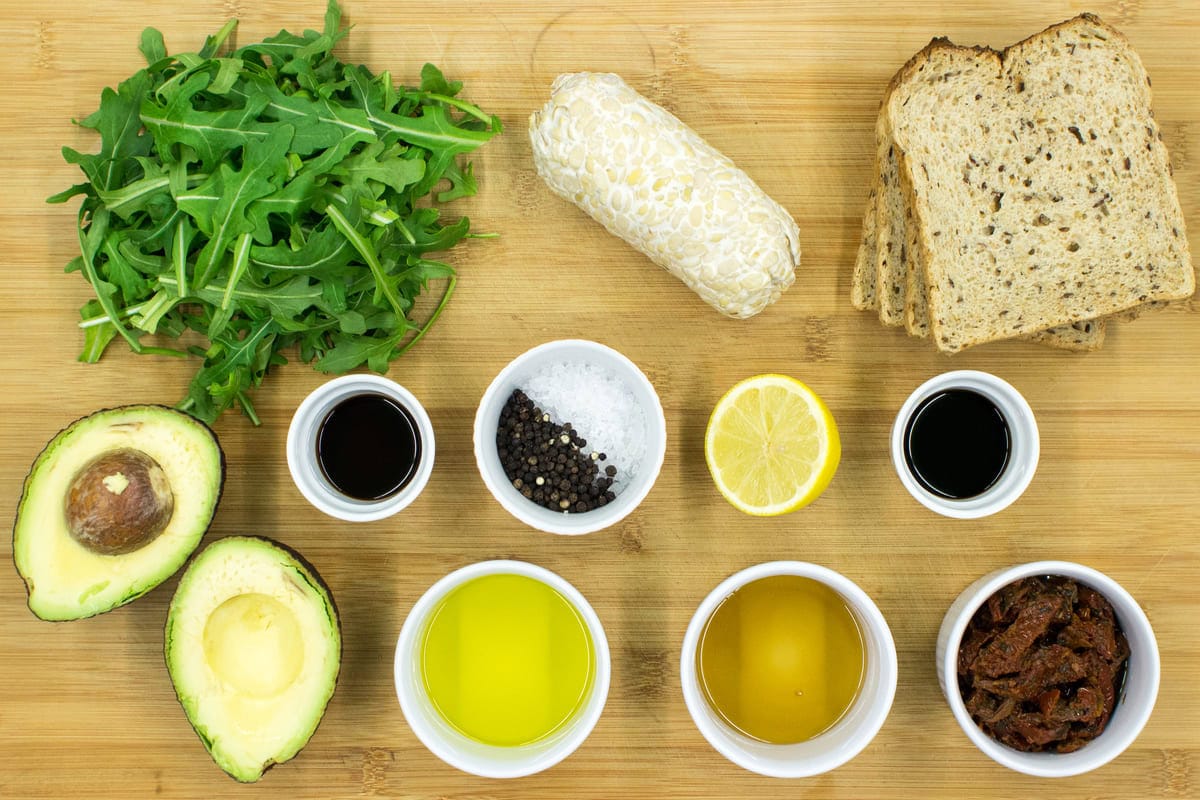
[267, 198]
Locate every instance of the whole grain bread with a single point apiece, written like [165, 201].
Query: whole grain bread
[1039, 183]
[1082, 336]
[908, 277]
[890, 258]
[862, 286]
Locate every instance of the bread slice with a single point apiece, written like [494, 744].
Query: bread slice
[889, 224]
[890, 212]
[909, 275]
[1039, 182]
[1081, 336]
[1084, 336]
[862, 286]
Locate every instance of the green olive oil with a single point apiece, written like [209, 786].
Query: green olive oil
[781, 659]
[507, 660]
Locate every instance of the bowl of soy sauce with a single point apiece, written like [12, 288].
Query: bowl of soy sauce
[360, 447]
[965, 444]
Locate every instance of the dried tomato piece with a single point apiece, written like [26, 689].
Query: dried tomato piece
[1007, 651]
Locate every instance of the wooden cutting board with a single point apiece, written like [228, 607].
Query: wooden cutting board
[789, 90]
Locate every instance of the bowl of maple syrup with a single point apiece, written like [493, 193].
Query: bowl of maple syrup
[360, 448]
[788, 669]
[965, 444]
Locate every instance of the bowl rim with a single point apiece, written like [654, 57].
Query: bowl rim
[868, 613]
[1050, 765]
[543, 519]
[1017, 475]
[563, 745]
[302, 461]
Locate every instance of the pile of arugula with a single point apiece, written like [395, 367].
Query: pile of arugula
[268, 198]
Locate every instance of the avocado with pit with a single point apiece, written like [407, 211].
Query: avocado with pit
[254, 647]
[113, 506]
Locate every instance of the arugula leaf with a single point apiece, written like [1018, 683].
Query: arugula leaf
[266, 197]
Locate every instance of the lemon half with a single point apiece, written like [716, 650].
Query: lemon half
[771, 445]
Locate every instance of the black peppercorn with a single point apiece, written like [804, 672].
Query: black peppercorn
[545, 461]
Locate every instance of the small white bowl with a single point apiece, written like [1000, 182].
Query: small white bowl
[459, 751]
[1137, 696]
[1023, 455]
[512, 377]
[302, 448]
[844, 740]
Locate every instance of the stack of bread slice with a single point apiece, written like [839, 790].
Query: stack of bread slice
[1021, 194]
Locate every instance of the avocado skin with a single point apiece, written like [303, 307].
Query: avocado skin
[29, 477]
[311, 574]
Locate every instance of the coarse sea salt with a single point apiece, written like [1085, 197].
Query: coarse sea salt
[601, 409]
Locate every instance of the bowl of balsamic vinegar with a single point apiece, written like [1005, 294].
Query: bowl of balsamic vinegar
[360, 448]
[965, 444]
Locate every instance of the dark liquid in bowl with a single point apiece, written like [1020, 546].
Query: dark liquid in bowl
[368, 447]
[957, 444]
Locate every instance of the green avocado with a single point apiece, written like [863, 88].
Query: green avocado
[254, 647]
[113, 506]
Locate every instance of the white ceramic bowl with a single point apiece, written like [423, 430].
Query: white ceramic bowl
[835, 746]
[302, 448]
[454, 748]
[1133, 706]
[513, 376]
[1024, 450]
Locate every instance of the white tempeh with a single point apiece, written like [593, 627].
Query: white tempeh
[652, 181]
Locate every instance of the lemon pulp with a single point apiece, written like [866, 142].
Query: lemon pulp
[771, 445]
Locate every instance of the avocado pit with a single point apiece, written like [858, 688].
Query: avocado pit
[119, 502]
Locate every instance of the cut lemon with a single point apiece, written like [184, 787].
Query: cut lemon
[771, 445]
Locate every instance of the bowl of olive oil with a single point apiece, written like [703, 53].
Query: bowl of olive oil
[502, 669]
[788, 669]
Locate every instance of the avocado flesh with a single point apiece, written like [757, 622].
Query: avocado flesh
[253, 646]
[66, 580]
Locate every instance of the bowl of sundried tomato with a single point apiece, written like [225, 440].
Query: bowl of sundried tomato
[1051, 668]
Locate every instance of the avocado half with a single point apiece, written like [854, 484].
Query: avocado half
[254, 647]
[69, 575]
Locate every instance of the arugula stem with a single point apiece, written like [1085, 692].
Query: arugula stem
[213, 43]
[248, 408]
[368, 254]
[241, 257]
[153, 311]
[89, 243]
[463, 106]
[128, 311]
[164, 351]
[179, 256]
[404, 231]
[437, 312]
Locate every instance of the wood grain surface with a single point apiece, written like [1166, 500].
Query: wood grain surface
[789, 90]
